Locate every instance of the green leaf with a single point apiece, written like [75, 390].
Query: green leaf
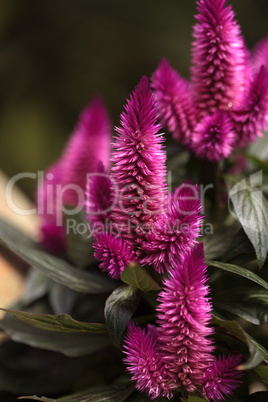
[235, 269]
[262, 373]
[59, 270]
[251, 305]
[195, 399]
[79, 239]
[57, 323]
[256, 351]
[137, 276]
[251, 209]
[99, 393]
[119, 308]
[70, 344]
[258, 162]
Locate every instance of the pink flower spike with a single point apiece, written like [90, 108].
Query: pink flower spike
[53, 237]
[138, 168]
[174, 102]
[184, 313]
[219, 58]
[89, 144]
[99, 197]
[113, 253]
[144, 362]
[175, 233]
[260, 55]
[222, 378]
[214, 137]
[252, 117]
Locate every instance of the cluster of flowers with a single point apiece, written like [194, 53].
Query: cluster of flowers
[223, 107]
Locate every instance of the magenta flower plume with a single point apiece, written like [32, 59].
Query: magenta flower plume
[252, 117]
[176, 231]
[138, 168]
[174, 100]
[99, 197]
[49, 210]
[219, 58]
[260, 55]
[222, 378]
[214, 136]
[184, 313]
[89, 144]
[144, 362]
[114, 254]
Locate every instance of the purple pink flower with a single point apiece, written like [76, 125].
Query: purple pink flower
[113, 253]
[144, 362]
[138, 168]
[176, 231]
[225, 104]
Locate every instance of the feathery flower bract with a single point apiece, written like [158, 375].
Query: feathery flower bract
[174, 100]
[114, 254]
[176, 231]
[89, 144]
[184, 313]
[260, 55]
[252, 117]
[222, 378]
[144, 362]
[214, 136]
[219, 58]
[138, 167]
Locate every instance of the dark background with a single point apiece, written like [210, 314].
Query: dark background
[56, 54]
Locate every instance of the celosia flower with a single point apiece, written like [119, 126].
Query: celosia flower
[222, 378]
[99, 197]
[219, 58]
[184, 313]
[114, 254]
[260, 55]
[138, 167]
[144, 362]
[89, 144]
[49, 210]
[174, 100]
[176, 231]
[228, 103]
[214, 136]
[65, 182]
[252, 117]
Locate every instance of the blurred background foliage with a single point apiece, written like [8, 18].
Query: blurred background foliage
[56, 54]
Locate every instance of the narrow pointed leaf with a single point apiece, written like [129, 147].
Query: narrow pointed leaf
[137, 276]
[258, 162]
[257, 353]
[57, 323]
[251, 209]
[70, 344]
[57, 269]
[94, 394]
[235, 269]
[119, 308]
[262, 373]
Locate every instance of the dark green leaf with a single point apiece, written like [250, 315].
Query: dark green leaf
[137, 276]
[79, 239]
[58, 323]
[195, 399]
[235, 269]
[70, 344]
[119, 308]
[262, 373]
[258, 162]
[37, 285]
[256, 352]
[59, 270]
[61, 298]
[251, 209]
[94, 394]
[256, 313]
